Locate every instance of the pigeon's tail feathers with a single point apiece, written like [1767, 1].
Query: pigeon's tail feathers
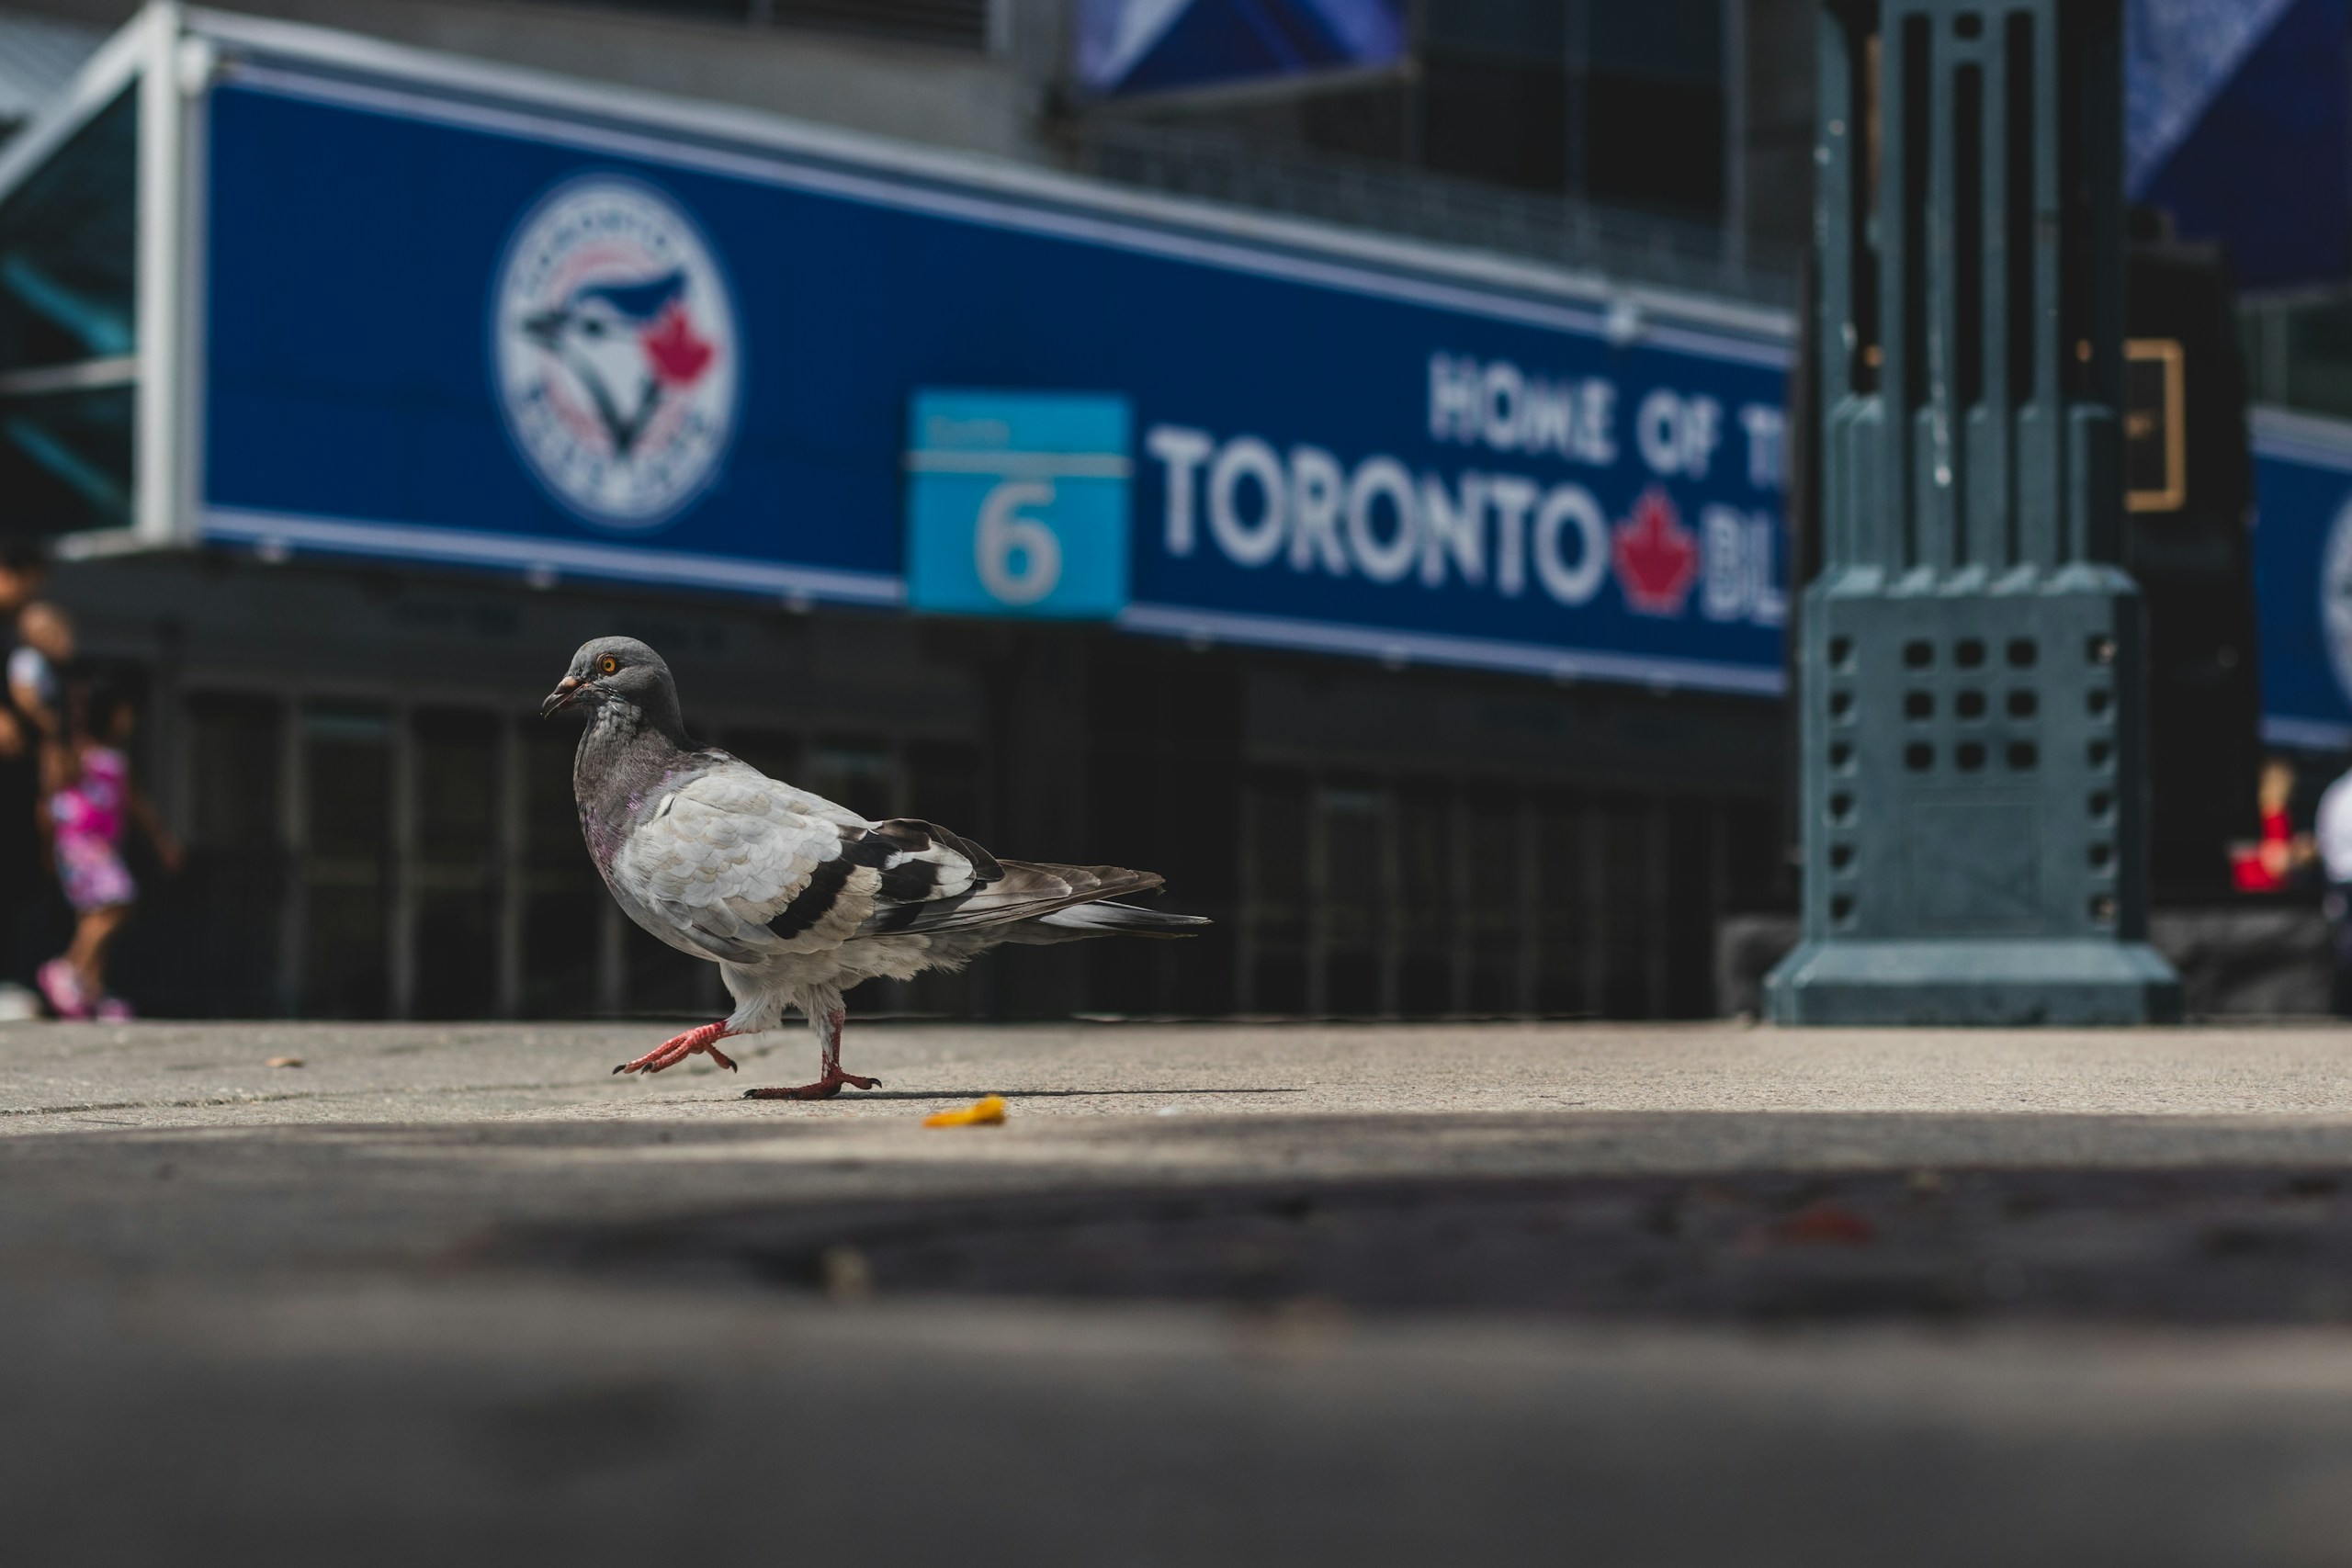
[1105, 919]
[1023, 890]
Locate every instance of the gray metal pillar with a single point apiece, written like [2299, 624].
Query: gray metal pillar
[1970, 664]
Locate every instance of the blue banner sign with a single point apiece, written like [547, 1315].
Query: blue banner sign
[1485, 513]
[2302, 578]
[1017, 505]
[524, 335]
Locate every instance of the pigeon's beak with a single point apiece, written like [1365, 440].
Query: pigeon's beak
[561, 697]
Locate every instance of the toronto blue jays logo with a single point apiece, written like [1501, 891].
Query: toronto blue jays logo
[615, 350]
[2336, 595]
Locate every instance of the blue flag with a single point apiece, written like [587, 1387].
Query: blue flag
[1145, 46]
[2240, 125]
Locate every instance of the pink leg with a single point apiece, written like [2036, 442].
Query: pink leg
[834, 1080]
[677, 1048]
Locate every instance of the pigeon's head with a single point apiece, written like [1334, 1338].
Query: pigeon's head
[615, 670]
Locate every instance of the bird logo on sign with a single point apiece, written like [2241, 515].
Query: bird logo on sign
[614, 352]
[628, 346]
[2335, 596]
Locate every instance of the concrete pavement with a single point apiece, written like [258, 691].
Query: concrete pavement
[399, 1298]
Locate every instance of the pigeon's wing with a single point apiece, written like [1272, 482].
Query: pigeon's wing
[744, 867]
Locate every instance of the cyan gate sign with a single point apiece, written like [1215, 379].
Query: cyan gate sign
[1017, 505]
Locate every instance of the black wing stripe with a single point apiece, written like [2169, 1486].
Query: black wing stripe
[909, 880]
[825, 883]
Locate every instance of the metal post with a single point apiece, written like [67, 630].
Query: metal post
[512, 889]
[1732, 257]
[294, 840]
[1971, 669]
[401, 869]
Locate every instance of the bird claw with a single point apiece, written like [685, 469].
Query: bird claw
[676, 1049]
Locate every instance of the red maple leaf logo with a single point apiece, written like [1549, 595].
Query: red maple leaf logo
[679, 357]
[1656, 558]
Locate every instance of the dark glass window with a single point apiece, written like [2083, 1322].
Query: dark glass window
[1656, 144]
[346, 810]
[563, 899]
[457, 785]
[1274, 890]
[1563, 889]
[1620, 104]
[1348, 919]
[68, 251]
[67, 257]
[1496, 119]
[206, 944]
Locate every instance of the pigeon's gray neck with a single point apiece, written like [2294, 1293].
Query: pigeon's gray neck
[624, 759]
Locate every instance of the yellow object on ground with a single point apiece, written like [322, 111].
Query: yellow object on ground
[988, 1112]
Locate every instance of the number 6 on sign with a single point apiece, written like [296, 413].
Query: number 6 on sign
[1017, 505]
[1018, 559]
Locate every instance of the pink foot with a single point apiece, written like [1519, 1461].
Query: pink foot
[62, 986]
[823, 1088]
[677, 1048]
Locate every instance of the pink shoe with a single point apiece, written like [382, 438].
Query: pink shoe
[64, 988]
[114, 1009]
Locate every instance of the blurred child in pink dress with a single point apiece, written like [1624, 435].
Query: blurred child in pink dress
[89, 801]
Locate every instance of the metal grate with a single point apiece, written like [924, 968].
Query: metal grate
[1629, 247]
[37, 57]
[949, 24]
[956, 24]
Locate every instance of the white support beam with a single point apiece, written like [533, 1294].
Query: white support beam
[157, 514]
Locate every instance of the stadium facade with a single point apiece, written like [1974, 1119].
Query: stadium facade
[1418, 609]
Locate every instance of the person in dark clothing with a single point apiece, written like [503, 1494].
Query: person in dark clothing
[25, 893]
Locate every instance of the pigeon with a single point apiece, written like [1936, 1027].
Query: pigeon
[794, 898]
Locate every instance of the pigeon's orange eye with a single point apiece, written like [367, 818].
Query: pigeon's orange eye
[607, 664]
